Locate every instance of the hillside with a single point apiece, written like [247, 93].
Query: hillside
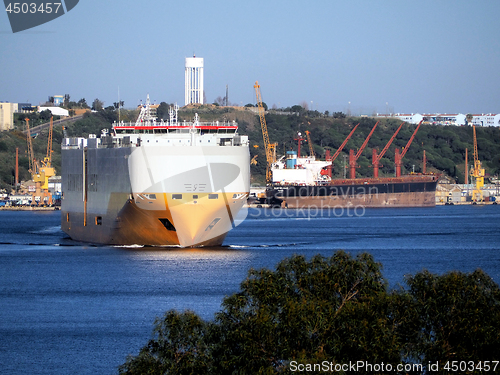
[444, 145]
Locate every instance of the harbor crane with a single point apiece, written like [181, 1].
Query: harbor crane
[299, 140]
[40, 171]
[398, 158]
[477, 172]
[331, 159]
[270, 148]
[353, 158]
[311, 148]
[339, 150]
[376, 158]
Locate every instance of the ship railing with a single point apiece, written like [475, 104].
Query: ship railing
[186, 124]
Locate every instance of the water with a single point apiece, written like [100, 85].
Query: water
[73, 308]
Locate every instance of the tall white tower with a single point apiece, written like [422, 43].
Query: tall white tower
[194, 80]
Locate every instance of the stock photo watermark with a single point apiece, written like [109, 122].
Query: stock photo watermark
[29, 14]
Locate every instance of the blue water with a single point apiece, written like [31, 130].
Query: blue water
[73, 308]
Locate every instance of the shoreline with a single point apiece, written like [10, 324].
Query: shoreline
[28, 208]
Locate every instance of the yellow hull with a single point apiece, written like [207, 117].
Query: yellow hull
[162, 219]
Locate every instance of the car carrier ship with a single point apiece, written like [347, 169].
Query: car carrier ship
[156, 183]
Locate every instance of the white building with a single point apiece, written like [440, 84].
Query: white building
[194, 80]
[7, 115]
[56, 111]
[459, 119]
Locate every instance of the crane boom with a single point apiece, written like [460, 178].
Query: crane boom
[398, 157]
[476, 158]
[311, 149]
[265, 134]
[365, 142]
[48, 159]
[353, 158]
[343, 144]
[376, 158]
[389, 143]
[31, 156]
[410, 140]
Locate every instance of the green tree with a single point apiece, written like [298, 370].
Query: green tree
[179, 346]
[97, 105]
[336, 309]
[83, 103]
[162, 111]
[457, 317]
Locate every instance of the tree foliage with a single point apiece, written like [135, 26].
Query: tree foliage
[336, 309]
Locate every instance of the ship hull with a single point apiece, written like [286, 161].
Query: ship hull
[153, 195]
[408, 191]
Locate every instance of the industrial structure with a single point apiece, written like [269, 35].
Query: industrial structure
[40, 171]
[376, 158]
[478, 173]
[194, 80]
[482, 119]
[354, 158]
[270, 148]
[398, 157]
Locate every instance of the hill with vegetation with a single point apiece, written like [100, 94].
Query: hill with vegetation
[444, 145]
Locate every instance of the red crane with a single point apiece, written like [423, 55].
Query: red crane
[398, 159]
[343, 144]
[332, 159]
[299, 139]
[376, 158]
[353, 158]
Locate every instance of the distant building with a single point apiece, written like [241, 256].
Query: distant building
[194, 80]
[7, 115]
[459, 119]
[25, 108]
[56, 111]
[58, 100]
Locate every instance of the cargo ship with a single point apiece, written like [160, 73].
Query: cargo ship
[298, 182]
[306, 182]
[158, 183]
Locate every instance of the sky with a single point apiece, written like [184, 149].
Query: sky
[366, 56]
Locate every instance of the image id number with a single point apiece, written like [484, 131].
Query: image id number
[33, 8]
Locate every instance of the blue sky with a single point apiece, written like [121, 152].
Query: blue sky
[407, 56]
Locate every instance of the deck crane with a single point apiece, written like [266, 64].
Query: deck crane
[269, 148]
[339, 150]
[398, 158]
[478, 173]
[40, 171]
[376, 158]
[337, 153]
[353, 158]
[311, 149]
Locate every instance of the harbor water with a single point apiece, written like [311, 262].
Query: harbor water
[73, 308]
